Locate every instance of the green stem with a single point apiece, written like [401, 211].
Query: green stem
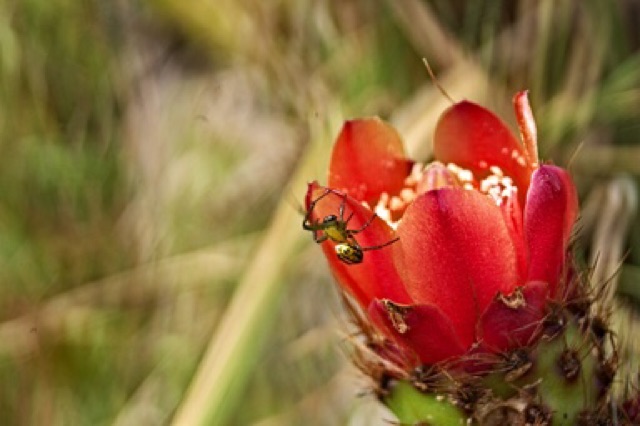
[413, 407]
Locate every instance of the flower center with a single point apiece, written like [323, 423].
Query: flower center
[436, 175]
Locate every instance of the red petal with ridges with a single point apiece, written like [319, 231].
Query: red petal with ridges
[376, 276]
[506, 325]
[455, 252]
[474, 138]
[368, 159]
[428, 333]
[550, 212]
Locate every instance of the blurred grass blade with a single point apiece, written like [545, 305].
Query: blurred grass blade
[234, 349]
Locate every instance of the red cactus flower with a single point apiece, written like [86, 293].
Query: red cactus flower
[460, 254]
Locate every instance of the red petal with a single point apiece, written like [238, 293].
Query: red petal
[368, 159]
[550, 212]
[512, 214]
[422, 329]
[474, 138]
[376, 276]
[455, 252]
[507, 324]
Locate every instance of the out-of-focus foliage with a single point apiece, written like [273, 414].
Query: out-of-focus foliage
[146, 150]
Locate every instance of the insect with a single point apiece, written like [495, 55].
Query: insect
[335, 228]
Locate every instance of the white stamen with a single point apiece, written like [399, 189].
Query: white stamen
[383, 211]
[415, 175]
[407, 195]
[496, 171]
[498, 186]
[463, 175]
[396, 203]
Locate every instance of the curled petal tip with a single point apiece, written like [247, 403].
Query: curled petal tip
[527, 126]
[308, 198]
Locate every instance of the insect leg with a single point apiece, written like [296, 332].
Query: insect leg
[320, 239]
[363, 227]
[307, 224]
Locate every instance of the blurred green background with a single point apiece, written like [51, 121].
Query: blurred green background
[153, 154]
